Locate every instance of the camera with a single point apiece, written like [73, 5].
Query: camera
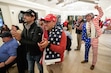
[20, 17]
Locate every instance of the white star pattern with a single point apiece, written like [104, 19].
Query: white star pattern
[47, 49]
[60, 36]
[47, 56]
[57, 32]
[54, 52]
[53, 56]
[54, 42]
[52, 29]
[50, 52]
[61, 30]
[58, 43]
[51, 39]
[54, 38]
[58, 55]
[54, 35]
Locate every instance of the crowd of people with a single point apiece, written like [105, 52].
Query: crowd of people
[46, 41]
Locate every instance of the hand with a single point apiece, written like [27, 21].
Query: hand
[75, 26]
[13, 32]
[43, 43]
[2, 64]
[96, 7]
[82, 42]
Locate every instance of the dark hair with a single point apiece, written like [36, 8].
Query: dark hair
[31, 12]
[91, 14]
[5, 29]
[16, 27]
[6, 34]
[82, 21]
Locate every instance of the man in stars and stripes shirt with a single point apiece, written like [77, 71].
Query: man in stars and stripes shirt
[54, 44]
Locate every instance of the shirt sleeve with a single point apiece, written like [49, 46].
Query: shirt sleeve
[100, 13]
[96, 22]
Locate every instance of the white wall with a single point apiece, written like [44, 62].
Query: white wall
[65, 14]
[14, 11]
[108, 13]
[6, 15]
[10, 13]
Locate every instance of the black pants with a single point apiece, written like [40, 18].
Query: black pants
[22, 63]
[68, 44]
[3, 70]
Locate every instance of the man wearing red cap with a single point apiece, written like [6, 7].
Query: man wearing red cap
[54, 44]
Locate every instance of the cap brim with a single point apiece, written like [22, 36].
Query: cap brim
[45, 19]
[42, 19]
[25, 12]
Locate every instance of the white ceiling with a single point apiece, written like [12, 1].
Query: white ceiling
[74, 5]
[66, 5]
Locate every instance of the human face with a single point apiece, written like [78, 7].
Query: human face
[41, 22]
[80, 18]
[13, 28]
[88, 18]
[28, 18]
[49, 25]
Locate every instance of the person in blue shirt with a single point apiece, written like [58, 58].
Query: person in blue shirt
[8, 51]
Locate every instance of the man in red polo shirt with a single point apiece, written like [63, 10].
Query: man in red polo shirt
[54, 44]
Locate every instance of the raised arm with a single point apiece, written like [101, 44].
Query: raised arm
[96, 21]
[100, 11]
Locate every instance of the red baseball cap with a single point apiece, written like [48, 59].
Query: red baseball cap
[50, 17]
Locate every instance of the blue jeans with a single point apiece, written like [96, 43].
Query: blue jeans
[31, 62]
